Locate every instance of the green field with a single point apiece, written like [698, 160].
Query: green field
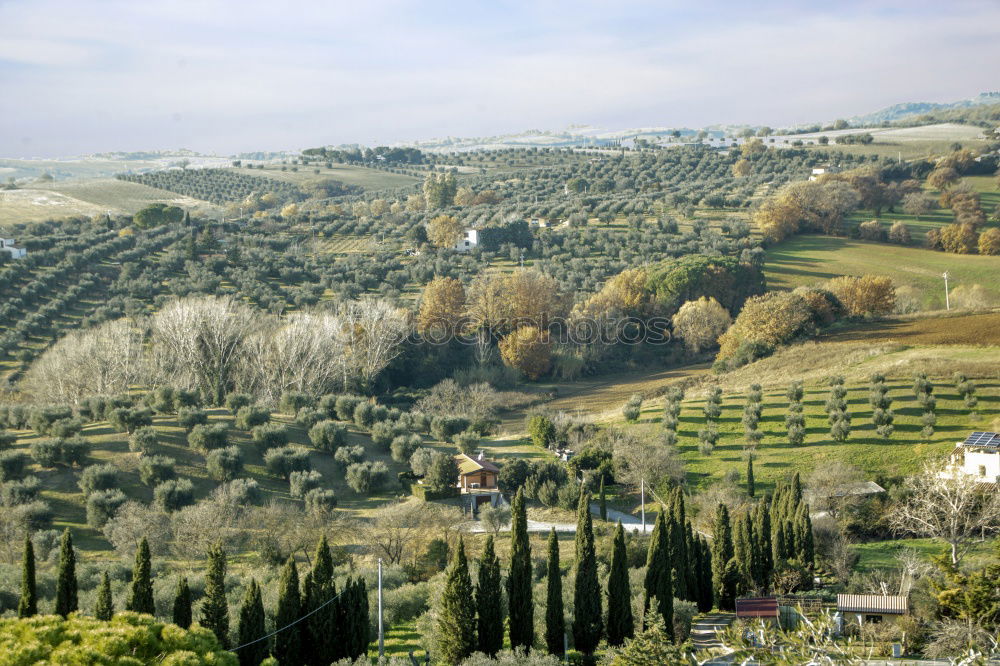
[810, 260]
[370, 179]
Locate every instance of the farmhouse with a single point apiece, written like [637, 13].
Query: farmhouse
[476, 474]
[873, 608]
[469, 241]
[822, 171]
[7, 245]
[978, 456]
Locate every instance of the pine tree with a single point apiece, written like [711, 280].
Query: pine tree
[588, 623]
[214, 607]
[722, 551]
[104, 607]
[603, 502]
[287, 642]
[325, 643]
[751, 490]
[27, 605]
[182, 604]
[251, 627]
[67, 600]
[140, 595]
[519, 603]
[658, 584]
[457, 615]
[621, 625]
[488, 595]
[555, 622]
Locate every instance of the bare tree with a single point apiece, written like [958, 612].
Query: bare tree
[401, 529]
[103, 360]
[133, 521]
[946, 504]
[639, 459]
[375, 331]
[832, 487]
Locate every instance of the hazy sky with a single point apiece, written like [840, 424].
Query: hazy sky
[80, 76]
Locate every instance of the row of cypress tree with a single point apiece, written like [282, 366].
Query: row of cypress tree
[315, 624]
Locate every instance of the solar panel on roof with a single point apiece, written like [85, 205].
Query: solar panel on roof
[983, 439]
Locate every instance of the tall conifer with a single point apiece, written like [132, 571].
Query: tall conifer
[140, 595]
[182, 604]
[722, 549]
[67, 599]
[488, 595]
[519, 603]
[27, 605]
[555, 622]
[287, 641]
[588, 623]
[104, 608]
[251, 627]
[214, 607]
[457, 615]
[621, 625]
[658, 584]
[325, 643]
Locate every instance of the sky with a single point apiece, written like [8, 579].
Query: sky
[84, 76]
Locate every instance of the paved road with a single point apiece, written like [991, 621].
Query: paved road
[629, 522]
[703, 633]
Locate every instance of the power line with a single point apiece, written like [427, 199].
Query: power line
[290, 624]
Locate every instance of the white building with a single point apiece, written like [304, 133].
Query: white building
[469, 241]
[7, 245]
[979, 456]
[822, 171]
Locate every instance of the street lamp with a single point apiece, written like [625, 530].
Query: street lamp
[947, 299]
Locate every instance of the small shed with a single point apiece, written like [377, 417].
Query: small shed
[873, 608]
[758, 608]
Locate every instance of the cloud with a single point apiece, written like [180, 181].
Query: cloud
[211, 75]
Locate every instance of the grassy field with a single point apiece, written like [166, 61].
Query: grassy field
[370, 179]
[810, 260]
[343, 244]
[882, 554]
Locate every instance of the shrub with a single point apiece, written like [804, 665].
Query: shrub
[383, 433]
[14, 493]
[348, 455]
[364, 415]
[899, 233]
[307, 417]
[12, 465]
[184, 398]
[292, 401]
[154, 470]
[467, 441]
[224, 464]
[328, 405]
[161, 400]
[73, 451]
[35, 515]
[320, 500]
[632, 408]
[300, 483]
[444, 427]
[174, 494]
[7, 440]
[242, 492]
[205, 438]
[143, 440]
[868, 295]
[236, 401]
[403, 446]
[285, 460]
[127, 419]
[64, 428]
[98, 477]
[46, 452]
[102, 506]
[441, 475]
[327, 436]
[250, 416]
[40, 419]
[872, 231]
[366, 477]
[189, 417]
[345, 406]
[269, 436]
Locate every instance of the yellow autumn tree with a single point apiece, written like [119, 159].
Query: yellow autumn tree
[444, 231]
[867, 295]
[699, 323]
[529, 350]
[766, 320]
[442, 308]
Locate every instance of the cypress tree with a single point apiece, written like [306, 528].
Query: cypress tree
[67, 600]
[325, 644]
[603, 502]
[519, 602]
[287, 642]
[555, 622]
[729, 585]
[214, 608]
[251, 627]
[27, 605]
[742, 552]
[722, 549]
[488, 596]
[182, 603]
[762, 535]
[706, 595]
[658, 584]
[104, 608]
[140, 595]
[457, 616]
[678, 545]
[621, 626]
[588, 623]
[694, 562]
[360, 637]
[751, 490]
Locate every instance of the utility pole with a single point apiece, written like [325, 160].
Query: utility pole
[642, 500]
[381, 631]
[947, 298]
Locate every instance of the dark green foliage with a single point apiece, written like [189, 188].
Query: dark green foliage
[322, 639]
[542, 430]
[174, 494]
[189, 417]
[603, 502]
[12, 465]
[292, 401]
[268, 436]
[154, 470]
[181, 614]
[442, 475]
[588, 625]
[204, 437]
[214, 608]
[621, 625]
[555, 622]
[143, 440]
[352, 614]
[224, 464]
[457, 614]
[98, 477]
[287, 459]
[251, 627]
[678, 554]
[27, 605]
[519, 603]
[489, 614]
[345, 406]
[128, 419]
[751, 489]
[104, 607]
[692, 276]
[287, 644]
[234, 401]
[327, 436]
[102, 505]
[729, 583]
[659, 584]
[157, 214]
[140, 594]
[66, 586]
[248, 417]
[45, 452]
[722, 552]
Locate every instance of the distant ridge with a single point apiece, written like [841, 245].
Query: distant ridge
[896, 112]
